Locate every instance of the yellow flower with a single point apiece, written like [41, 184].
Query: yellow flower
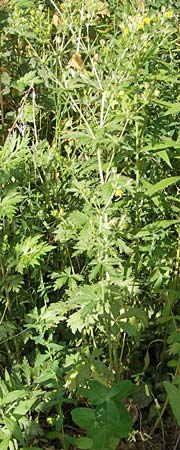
[118, 193]
[169, 14]
[147, 20]
[140, 26]
[126, 30]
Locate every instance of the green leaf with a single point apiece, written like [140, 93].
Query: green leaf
[84, 443]
[98, 393]
[24, 406]
[130, 329]
[4, 445]
[119, 419]
[27, 80]
[122, 389]
[32, 448]
[173, 393]
[175, 109]
[164, 155]
[14, 429]
[159, 224]
[8, 205]
[46, 376]
[167, 143]
[83, 417]
[146, 361]
[100, 437]
[13, 396]
[29, 252]
[163, 184]
[26, 370]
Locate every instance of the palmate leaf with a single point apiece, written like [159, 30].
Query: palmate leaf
[85, 294]
[27, 80]
[13, 152]
[82, 319]
[53, 314]
[30, 251]
[8, 204]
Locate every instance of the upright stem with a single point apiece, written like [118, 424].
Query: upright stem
[139, 133]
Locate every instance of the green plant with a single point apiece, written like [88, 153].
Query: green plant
[89, 213]
[108, 421]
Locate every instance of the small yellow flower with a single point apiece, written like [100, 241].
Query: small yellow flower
[169, 14]
[118, 193]
[126, 30]
[140, 26]
[147, 20]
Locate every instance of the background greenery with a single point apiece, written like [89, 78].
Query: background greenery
[89, 224]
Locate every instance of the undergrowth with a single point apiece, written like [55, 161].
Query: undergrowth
[89, 224]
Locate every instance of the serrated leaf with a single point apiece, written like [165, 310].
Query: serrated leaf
[13, 396]
[27, 370]
[30, 251]
[27, 80]
[167, 143]
[24, 406]
[154, 226]
[175, 109]
[128, 328]
[14, 429]
[9, 203]
[163, 184]
[45, 377]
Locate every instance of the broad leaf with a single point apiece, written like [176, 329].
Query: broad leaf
[83, 417]
[84, 443]
[173, 393]
[4, 445]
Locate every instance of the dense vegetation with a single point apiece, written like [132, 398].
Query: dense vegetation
[89, 225]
